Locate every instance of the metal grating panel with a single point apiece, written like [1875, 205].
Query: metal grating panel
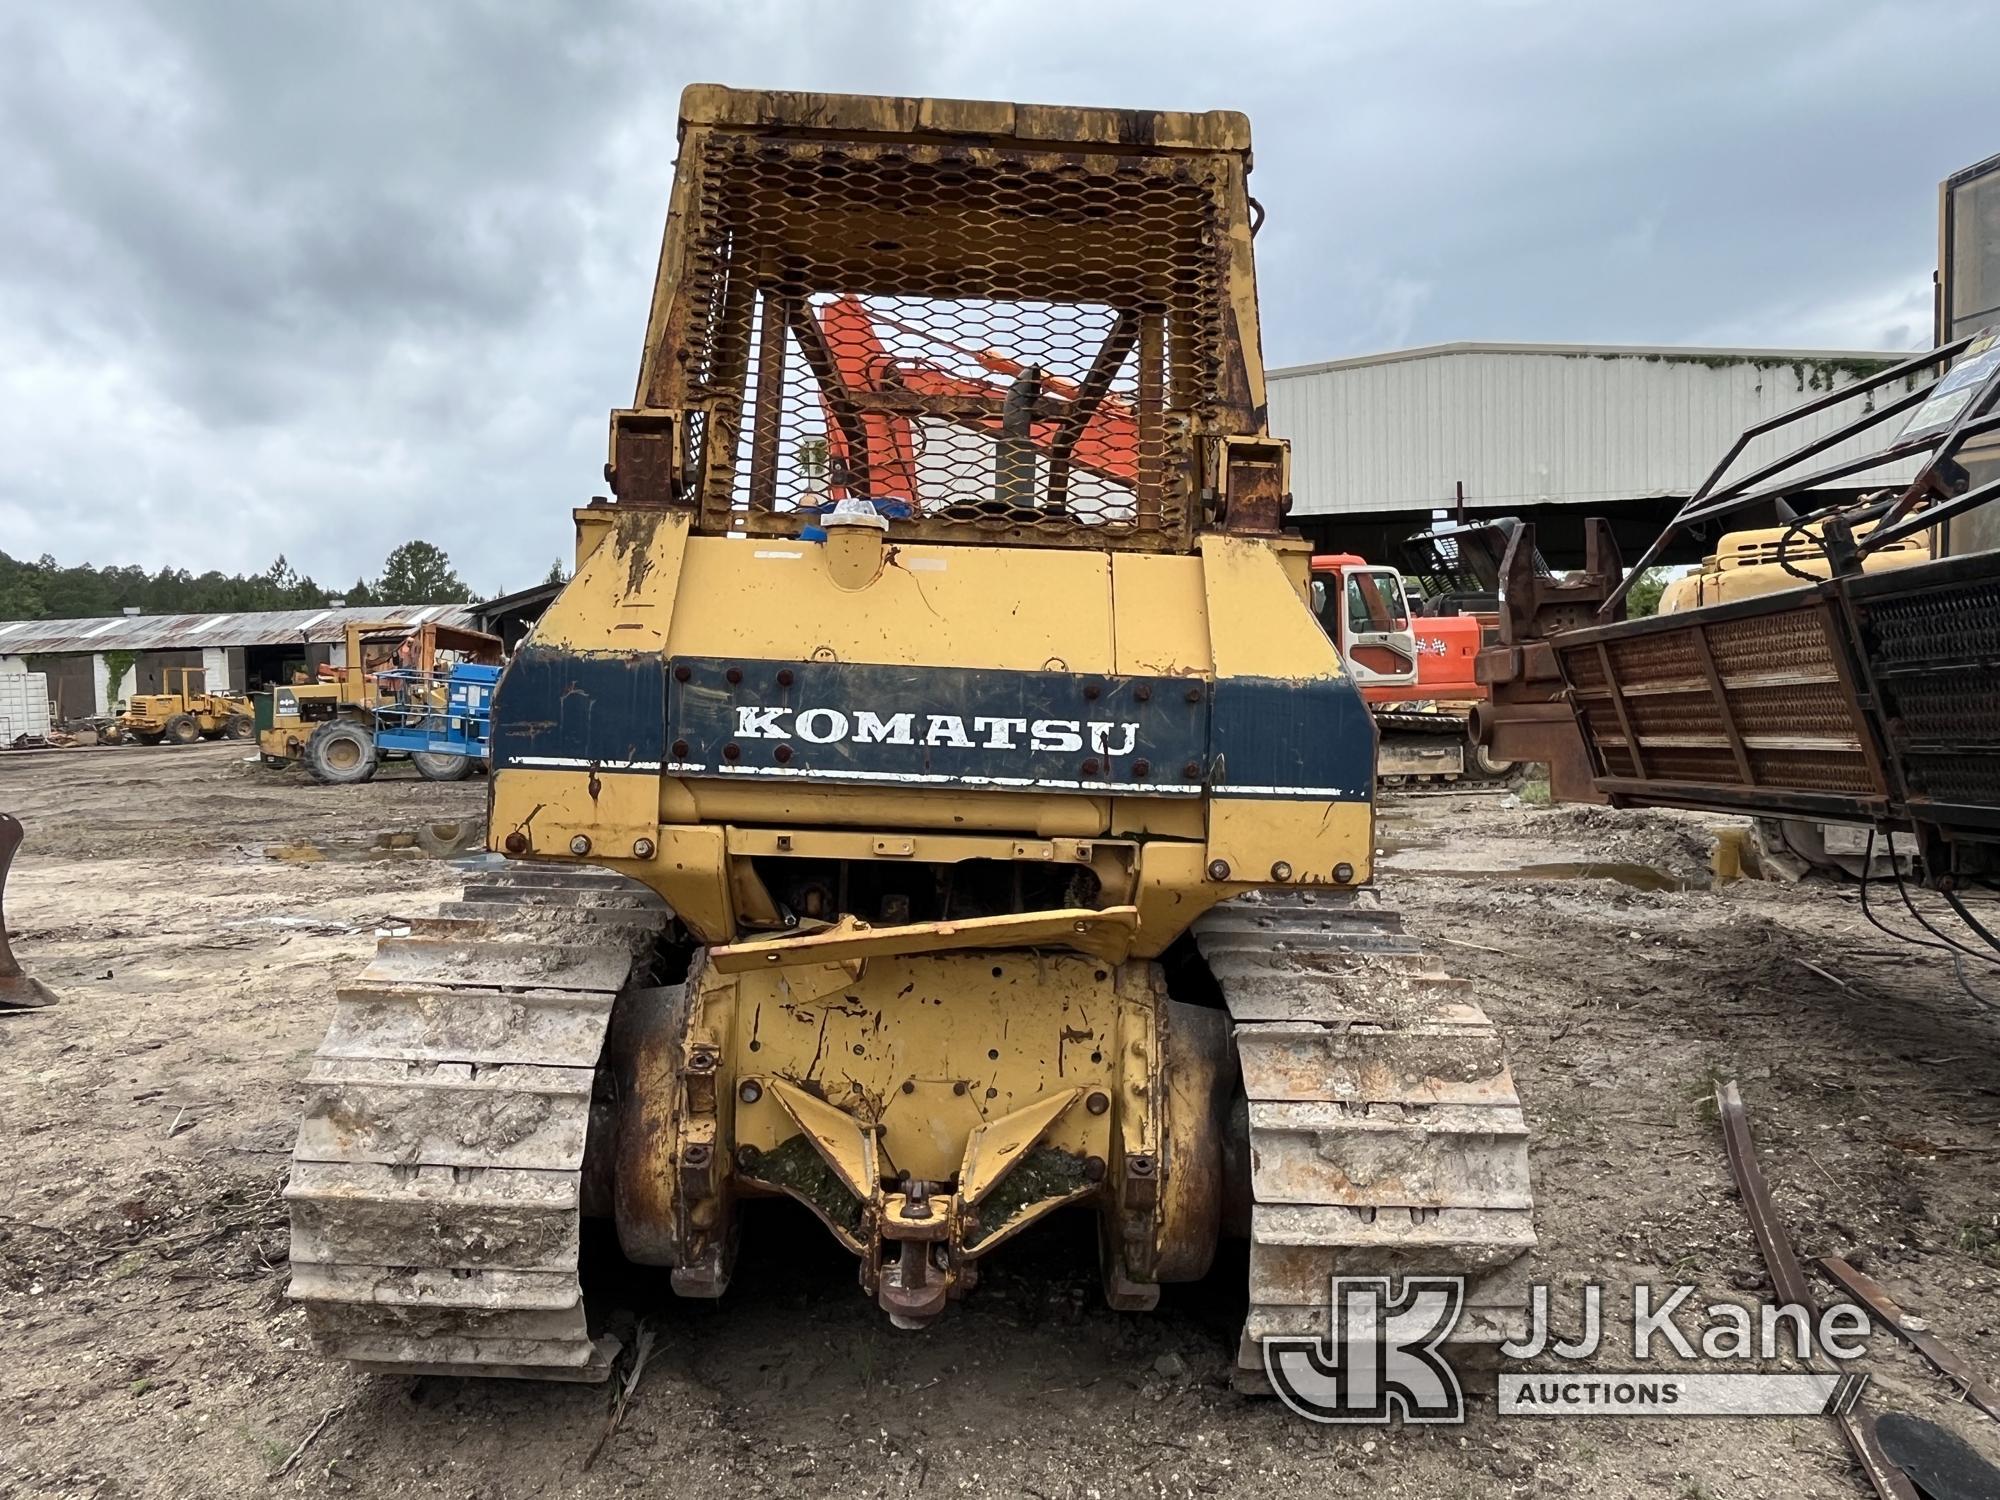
[1934, 653]
[1736, 704]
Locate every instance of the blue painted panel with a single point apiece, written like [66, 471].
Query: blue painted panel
[1277, 737]
[864, 724]
[558, 709]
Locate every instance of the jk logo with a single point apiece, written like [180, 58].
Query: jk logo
[1380, 1361]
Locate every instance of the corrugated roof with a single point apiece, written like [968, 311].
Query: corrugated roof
[257, 627]
[1694, 353]
[499, 604]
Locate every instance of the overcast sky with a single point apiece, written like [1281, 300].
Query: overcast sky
[314, 279]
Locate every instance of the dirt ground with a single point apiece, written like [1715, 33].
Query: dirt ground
[194, 913]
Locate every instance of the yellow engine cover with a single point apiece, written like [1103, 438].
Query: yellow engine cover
[692, 703]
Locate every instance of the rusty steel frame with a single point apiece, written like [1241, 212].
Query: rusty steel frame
[1892, 748]
[1946, 1362]
[1713, 500]
[1859, 595]
[17, 990]
[1182, 326]
[1752, 794]
[1789, 1279]
[1527, 716]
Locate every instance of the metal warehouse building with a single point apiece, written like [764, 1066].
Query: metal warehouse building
[241, 651]
[1551, 432]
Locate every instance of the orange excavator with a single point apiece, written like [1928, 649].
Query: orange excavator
[1414, 670]
[1415, 673]
[1072, 426]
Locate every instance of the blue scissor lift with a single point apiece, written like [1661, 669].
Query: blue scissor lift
[442, 721]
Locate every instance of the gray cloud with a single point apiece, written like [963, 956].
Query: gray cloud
[317, 279]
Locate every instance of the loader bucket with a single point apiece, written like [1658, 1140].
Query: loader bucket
[17, 990]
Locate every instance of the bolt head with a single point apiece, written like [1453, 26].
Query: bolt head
[782, 754]
[642, 848]
[734, 675]
[1090, 768]
[1218, 869]
[1194, 695]
[580, 845]
[751, 1091]
[1192, 770]
[747, 1158]
[1142, 693]
[1098, 1102]
[1093, 1168]
[698, 1154]
[1344, 873]
[682, 674]
[731, 751]
[1141, 769]
[1139, 1166]
[1281, 871]
[516, 843]
[785, 677]
[680, 749]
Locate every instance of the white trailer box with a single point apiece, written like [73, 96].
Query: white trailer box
[24, 705]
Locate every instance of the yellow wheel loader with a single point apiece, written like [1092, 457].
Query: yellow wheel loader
[392, 674]
[931, 800]
[184, 713]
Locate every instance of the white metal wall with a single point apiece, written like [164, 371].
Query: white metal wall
[1532, 425]
[24, 705]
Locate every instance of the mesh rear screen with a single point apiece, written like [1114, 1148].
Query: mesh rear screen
[997, 339]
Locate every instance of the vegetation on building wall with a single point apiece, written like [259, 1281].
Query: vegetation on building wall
[1808, 375]
[117, 666]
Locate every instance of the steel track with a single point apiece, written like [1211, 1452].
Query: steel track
[1385, 1135]
[436, 1187]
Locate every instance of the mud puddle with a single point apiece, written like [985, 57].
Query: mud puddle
[448, 839]
[1638, 877]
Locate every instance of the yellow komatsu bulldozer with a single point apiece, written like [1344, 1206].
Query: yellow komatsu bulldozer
[184, 712]
[931, 800]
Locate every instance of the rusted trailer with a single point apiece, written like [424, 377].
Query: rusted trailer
[1835, 681]
[1868, 698]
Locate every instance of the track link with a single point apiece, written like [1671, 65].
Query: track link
[436, 1188]
[1385, 1135]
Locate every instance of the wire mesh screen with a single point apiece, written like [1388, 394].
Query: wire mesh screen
[1012, 341]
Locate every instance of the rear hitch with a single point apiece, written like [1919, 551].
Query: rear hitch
[17, 990]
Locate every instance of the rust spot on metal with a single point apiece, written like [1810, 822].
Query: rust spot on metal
[632, 540]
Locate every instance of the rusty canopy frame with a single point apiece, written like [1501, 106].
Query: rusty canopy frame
[1095, 263]
[1929, 498]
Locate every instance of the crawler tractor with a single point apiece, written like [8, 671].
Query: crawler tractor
[931, 800]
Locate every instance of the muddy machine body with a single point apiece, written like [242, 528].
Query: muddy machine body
[932, 799]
